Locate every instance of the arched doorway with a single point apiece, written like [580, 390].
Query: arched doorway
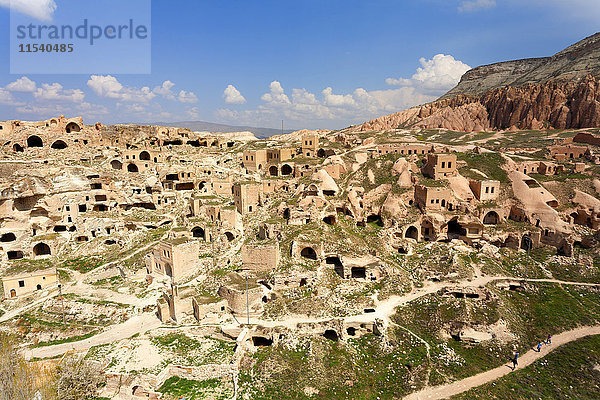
[198, 232]
[273, 170]
[59, 145]
[17, 148]
[41, 249]
[132, 168]
[411, 233]
[491, 218]
[38, 287]
[144, 155]
[229, 236]
[13, 293]
[455, 230]
[34, 141]
[72, 127]
[309, 252]
[329, 220]
[286, 169]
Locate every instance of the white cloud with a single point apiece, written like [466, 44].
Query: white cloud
[337, 100]
[42, 10]
[475, 5]
[23, 84]
[432, 79]
[56, 92]
[233, 96]
[165, 90]
[6, 97]
[439, 74]
[187, 97]
[276, 95]
[42, 110]
[108, 86]
[306, 107]
[193, 113]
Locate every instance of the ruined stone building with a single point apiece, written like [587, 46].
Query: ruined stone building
[246, 196]
[175, 259]
[438, 166]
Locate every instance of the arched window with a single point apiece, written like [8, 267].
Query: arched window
[59, 145]
[41, 249]
[309, 252]
[34, 141]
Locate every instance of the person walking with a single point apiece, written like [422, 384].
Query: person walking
[539, 347]
[514, 360]
[549, 340]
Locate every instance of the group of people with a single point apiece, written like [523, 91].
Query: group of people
[516, 354]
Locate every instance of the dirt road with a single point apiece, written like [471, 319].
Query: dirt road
[451, 389]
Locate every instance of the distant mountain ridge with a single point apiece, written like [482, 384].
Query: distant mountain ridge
[561, 91]
[202, 126]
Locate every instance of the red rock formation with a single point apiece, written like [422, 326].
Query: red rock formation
[553, 104]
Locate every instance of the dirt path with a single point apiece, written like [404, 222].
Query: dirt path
[386, 308]
[451, 389]
[138, 324]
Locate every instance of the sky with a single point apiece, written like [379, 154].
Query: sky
[311, 63]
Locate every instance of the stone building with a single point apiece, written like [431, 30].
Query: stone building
[255, 160]
[566, 151]
[204, 307]
[440, 166]
[260, 257]
[246, 196]
[176, 258]
[404, 148]
[310, 145]
[485, 190]
[27, 283]
[433, 198]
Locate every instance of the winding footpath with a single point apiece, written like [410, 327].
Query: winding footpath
[452, 389]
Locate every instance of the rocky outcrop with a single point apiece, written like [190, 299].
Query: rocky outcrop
[553, 104]
[561, 92]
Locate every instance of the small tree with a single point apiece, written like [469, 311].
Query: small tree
[78, 379]
[20, 380]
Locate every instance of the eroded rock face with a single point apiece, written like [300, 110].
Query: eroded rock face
[560, 92]
[556, 104]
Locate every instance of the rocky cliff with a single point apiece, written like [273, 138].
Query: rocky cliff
[562, 91]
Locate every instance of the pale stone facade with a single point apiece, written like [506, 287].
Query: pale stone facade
[27, 283]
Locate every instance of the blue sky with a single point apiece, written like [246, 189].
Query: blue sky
[312, 63]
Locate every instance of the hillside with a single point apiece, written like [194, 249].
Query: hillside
[560, 92]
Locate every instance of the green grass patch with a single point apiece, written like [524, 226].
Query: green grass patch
[569, 372]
